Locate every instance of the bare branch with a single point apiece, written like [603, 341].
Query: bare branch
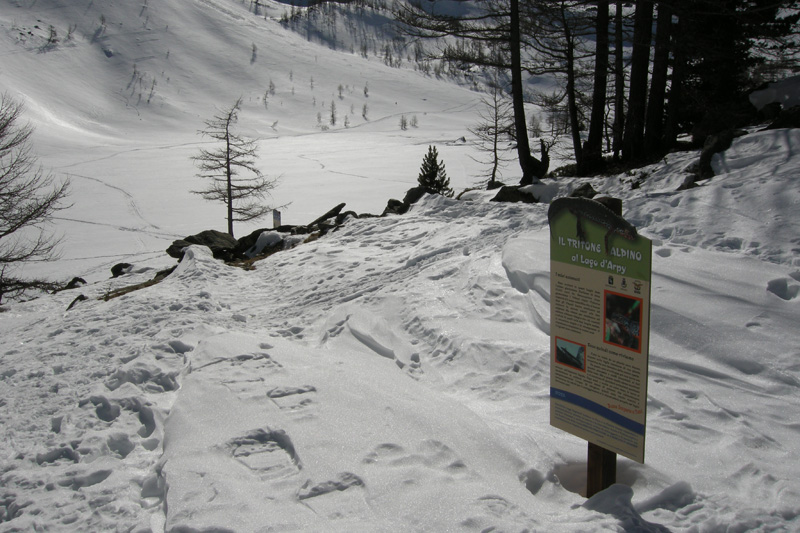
[29, 197]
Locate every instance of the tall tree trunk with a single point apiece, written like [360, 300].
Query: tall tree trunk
[654, 126]
[672, 121]
[619, 82]
[229, 179]
[531, 167]
[572, 104]
[593, 150]
[517, 97]
[633, 138]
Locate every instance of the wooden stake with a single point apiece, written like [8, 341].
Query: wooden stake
[601, 469]
[601, 466]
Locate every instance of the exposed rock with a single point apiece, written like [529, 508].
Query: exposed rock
[714, 144]
[788, 118]
[79, 298]
[120, 269]
[161, 274]
[342, 217]
[783, 92]
[222, 245]
[614, 204]
[285, 228]
[321, 224]
[249, 241]
[395, 207]
[330, 214]
[734, 115]
[267, 242]
[413, 195]
[584, 191]
[770, 111]
[512, 193]
[74, 284]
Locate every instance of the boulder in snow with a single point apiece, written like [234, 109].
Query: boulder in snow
[513, 193]
[222, 245]
[120, 269]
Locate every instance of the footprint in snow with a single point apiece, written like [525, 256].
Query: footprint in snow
[663, 252]
[120, 444]
[259, 359]
[495, 513]
[429, 453]
[336, 498]
[343, 481]
[267, 452]
[76, 481]
[291, 398]
[295, 332]
[109, 410]
[146, 377]
[54, 455]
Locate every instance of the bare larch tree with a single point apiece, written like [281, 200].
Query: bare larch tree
[235, 180]
[29, 197]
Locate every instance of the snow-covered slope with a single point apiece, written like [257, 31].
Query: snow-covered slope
[392, 375]
[123, 126]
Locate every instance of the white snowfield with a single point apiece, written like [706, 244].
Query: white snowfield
[392, 375]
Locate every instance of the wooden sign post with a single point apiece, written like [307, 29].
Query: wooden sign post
[601, 469]
[599, 331]
[601, 464]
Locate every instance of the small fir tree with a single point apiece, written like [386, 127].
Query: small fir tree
[432, 175]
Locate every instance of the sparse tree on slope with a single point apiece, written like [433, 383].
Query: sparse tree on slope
[28, 199]
[494, 129]
[432, 174]
[496, 24]
[224, 166]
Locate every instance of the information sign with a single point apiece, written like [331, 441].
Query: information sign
[600, 272]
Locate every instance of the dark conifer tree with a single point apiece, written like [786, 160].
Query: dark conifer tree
[495, 24]
[432, 175]
[729, 39]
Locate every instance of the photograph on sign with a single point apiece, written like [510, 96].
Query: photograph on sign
[571, 354]
[623, 319]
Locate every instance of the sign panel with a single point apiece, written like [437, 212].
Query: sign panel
[600, 271]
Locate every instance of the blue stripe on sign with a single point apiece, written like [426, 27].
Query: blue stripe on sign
[598, 409]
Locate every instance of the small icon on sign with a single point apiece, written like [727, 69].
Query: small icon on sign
[610, 280]
[624, 283]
